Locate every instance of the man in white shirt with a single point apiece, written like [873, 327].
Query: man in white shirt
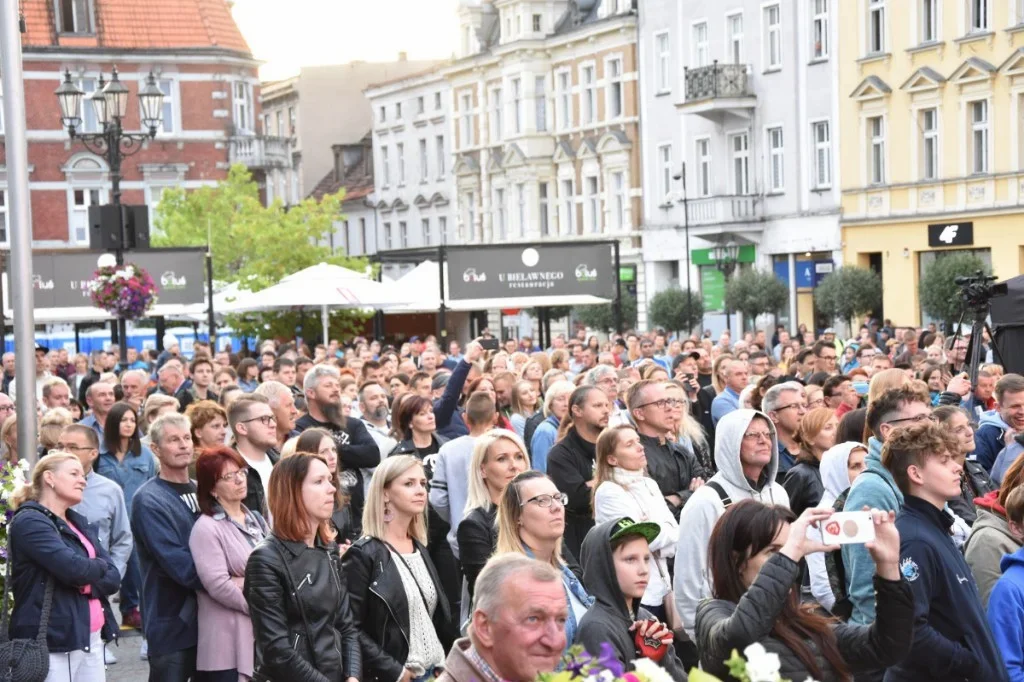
[373, 403]
[255, 428]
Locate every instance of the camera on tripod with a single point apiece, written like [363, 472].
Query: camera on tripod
[979, 289]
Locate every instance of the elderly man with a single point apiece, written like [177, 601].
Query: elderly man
[171, 381]
[517, 627]
[99, 398]
[282, 404]
[607, 379]
[134, 383]
[56, 394]
[736, 376]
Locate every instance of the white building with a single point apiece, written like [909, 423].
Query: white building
[742, 92]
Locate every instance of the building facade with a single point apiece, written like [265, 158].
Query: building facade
[932, 139]
[210, 110]
[741, 92]
[546, 126]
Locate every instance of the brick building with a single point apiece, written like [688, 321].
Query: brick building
[211, 108]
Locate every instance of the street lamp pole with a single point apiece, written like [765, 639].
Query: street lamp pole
[727, 257]
[110, 104]
[686, 230]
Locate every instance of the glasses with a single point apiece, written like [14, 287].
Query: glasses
[266, 420]
[757, 436]
[68, 447]
[545, 501]
[820, 402]
[829, 358]
[916, 419]
[236, 476]
[7, 408]
[800, 407]
[662, 404]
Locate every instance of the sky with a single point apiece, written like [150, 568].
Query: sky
[288, 34]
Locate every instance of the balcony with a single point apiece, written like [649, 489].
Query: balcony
[723, 210]
[261, 151]
[718, 91]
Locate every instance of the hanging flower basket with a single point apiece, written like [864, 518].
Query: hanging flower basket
[123, 290]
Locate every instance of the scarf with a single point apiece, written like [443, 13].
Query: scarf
[627, 478]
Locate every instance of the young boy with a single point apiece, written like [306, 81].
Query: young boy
[617, 555]
[1006, 603]
[952, 640]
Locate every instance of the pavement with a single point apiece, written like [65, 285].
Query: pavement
[129, 668]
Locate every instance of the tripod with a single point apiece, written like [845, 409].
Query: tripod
[980, 323]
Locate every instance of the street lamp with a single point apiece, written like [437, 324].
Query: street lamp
[727, 257]
[110, 104]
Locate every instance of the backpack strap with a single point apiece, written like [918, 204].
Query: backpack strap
[722, 495]
[891, 487]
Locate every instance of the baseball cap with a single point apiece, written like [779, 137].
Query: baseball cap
[830, 330]
[627, 526]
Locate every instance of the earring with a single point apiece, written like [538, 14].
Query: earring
[389, 515]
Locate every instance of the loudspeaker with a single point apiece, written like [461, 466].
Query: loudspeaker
[105, 227]
[136, 226]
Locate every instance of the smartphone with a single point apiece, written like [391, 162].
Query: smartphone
[847, 528]
[489, 344]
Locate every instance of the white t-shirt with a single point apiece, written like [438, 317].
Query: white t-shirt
[263, 468]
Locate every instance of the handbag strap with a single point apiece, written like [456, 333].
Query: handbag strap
[44, 616]
[298, 602]
[423, 596]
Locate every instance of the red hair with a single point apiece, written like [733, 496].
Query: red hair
[209, 468]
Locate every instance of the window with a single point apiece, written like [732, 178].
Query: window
[776, 161]
[537, 26]
[388, 238]
[75, 16]
[665, 169]
[542, 208]
[280, 123]
[421, 105]
[929, 21]
[243, 106]
[540, 103]
[439, 142]
[929, 144]
[619, 200]
[517, 105]
[876, 26]
[424, 171]
[82, 199]
[704, 167]
[4, 220]
[87, 112]
[977, 16]
[1019, 6]
[773, 37]
[442, 228]
[564, 100]
[613, 74]
[662, 59]
[588, 103]
[292, 121]
[822, 154]
[382, 115]
[979, 136]
[363, 235]
[740, 146]
[819, 48]
[701, 51]
[593, 203]
[400, 156]
[521, 208]
[500, 223]
[466, 134]
[398, 110]
[437, 100]
[468, 226]
[734, 26]
[425, 227]
[385, 166]
[403, 234]
[496, 115]
[519, 25]
[568, 218]
[876, 133]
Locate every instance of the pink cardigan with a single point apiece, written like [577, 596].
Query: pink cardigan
[220, 551]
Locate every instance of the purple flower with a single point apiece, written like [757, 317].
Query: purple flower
[609, 660]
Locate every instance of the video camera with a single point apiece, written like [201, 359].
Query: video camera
[978, 290]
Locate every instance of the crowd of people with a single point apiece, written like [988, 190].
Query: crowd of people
[399, 513]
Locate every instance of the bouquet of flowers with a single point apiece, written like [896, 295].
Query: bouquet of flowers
[125, 291]
[605, 667]
[12, 477]
[758, 666]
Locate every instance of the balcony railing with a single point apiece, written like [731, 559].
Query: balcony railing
[717, 81]
[723, 209]
[261, 151]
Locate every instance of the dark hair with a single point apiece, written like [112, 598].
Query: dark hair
[283, 362]
[291, 520]
[200, 360]
[418, 377]
[402, 377]
[112, 430]
[480, 409]
[409, 409]
[802, 354]
[74, 402]
[851, 426]
[887, 403]
[243, 368]
[746, 529]
[576, 399]
[818, 379]
[832, 383]
[766, 382]
[309, 442]
[820, 346]
[209, 469]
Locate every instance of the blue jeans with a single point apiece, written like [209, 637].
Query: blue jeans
[177, 666]
[130, 583]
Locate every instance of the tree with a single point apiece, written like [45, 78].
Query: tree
[940, 294]
[257, 245]
[602, 317]
[676, 310]
[848, 293]
[755, 292]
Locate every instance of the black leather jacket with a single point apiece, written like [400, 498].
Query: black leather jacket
[803, 485]
[255, 497]
[381, 611]
[477, 536]
[324, 647]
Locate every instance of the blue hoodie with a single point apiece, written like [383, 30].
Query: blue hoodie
[875, 488]
[1006, 614]
[988, 440]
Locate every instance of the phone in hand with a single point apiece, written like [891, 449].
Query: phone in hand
[847, 528]
[489, 344]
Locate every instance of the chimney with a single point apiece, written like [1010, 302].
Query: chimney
[339, 165]
[403, 56]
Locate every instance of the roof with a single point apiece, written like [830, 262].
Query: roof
[357, 181]
[141, 25]
[434, 68]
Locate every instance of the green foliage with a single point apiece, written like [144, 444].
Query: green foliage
[602, 317]
[940, 294]
[555, 312]
[847, 293]
[257, 245]
[676, 310]
[755, 292]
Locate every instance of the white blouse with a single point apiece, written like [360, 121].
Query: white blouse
[424, 646]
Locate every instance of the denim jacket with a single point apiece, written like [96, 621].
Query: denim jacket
[129, 473]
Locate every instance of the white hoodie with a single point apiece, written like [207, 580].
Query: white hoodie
[705, 507]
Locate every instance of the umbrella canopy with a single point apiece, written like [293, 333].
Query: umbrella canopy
[322, 285]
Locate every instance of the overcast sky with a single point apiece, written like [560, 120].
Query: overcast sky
[287, 34]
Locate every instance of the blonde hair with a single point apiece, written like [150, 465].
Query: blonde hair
[716, 369]
[886, 380]
[510, 511]
[688, 426]
[34, 486]
[556, 391]
[478, 496]
[154, 404]
[811, 425]
[51, 425]
[288, 449]
[373, 513]
[10, 426]
[607, 444]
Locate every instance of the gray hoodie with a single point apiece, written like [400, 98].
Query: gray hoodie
[705, 507]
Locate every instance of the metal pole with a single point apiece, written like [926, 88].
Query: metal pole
[442, 317]
[3, 310]
[16, 145]
[686, 231]
[114, 161]
[617, 305]
[211, 323]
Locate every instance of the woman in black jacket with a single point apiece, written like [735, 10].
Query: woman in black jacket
[754, 558]
[299, 606]
[398, 603]
[498, 457]
[317, 441]
[817, 434]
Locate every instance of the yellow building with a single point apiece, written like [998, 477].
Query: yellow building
[931, 138]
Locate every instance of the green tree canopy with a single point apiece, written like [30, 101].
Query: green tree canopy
[940, 294]
[848, 293]
[602, 317]
[257, 245]
[676, 310]
[755, 292]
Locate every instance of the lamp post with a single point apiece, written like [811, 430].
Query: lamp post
[727, 257]
[686, 229]
[110, 104]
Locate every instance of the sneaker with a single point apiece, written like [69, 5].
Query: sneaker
[144, 651]
[108, 656]
[131, 620]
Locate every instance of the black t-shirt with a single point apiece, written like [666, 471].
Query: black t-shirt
[187, 492]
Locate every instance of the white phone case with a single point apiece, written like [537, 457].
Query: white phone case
[847, 528]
